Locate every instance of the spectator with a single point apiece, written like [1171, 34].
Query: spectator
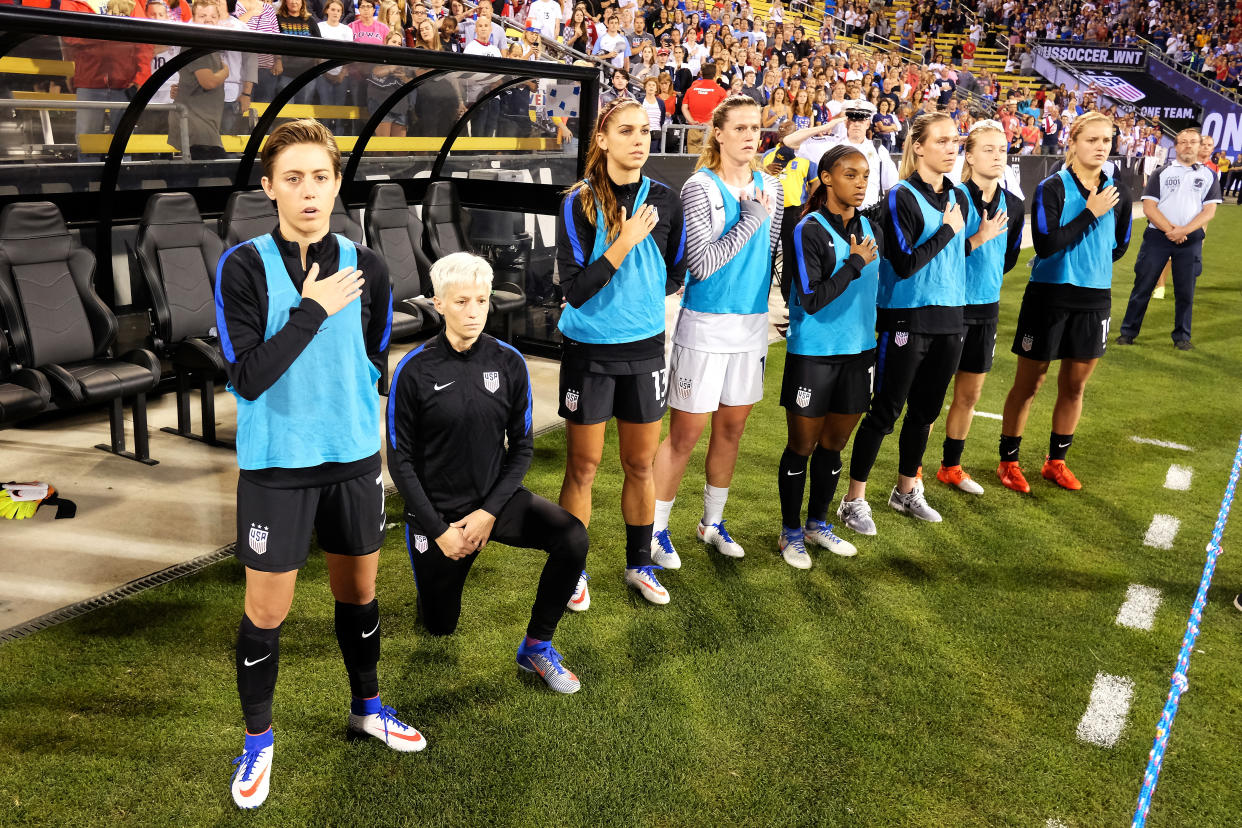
[613, 46]
[700, 99]
[682, 76]
[578, 32]
[884, 125]
[294, 18]
[657, 114]
[383, 80]
[545, 16]
[485, 120]
[261, 17]
[366, 28]
[200, 92]
[645, 65]
[618, 88]
[105, 70]
[777, 111]
[1051, 128]
[331, 88]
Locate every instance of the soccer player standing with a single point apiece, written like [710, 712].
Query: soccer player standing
[456, 401]
[303, 351]
[1081, 225]
[720, 345]
[831, 348]
[994, 223]
[620, 249]
[921, 295]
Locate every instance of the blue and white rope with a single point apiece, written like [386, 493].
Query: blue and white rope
[1179, 683]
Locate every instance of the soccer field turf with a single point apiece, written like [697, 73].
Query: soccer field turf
[937, 679]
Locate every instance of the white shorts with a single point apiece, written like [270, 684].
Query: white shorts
[702, 381]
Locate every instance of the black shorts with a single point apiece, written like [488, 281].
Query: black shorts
[274, 525]
[589, 397]
[1049, 333]
[979, 347]
[814, 386]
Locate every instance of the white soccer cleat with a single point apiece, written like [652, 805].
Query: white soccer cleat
[580, 601]
[820, 533]
[718, 536]
[370, 717]
[793, 549]
[662, 552]
[253, 777]
[643, 579]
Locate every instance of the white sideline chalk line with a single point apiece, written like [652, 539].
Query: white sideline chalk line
[1162, 443]
[1162, 531]
[1139, 610]
[988, 416]
[1053, 822]
[1106, 712]
[1178, 478]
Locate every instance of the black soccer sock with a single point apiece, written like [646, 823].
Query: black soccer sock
[953, 452]
[791, 483]
[911, 444]
[357, 633]
[1058, 444]
[1009, 448]
[638, 545]
[258, 658]
[866, 448]
[825, 473]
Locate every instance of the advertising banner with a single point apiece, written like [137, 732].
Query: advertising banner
[1087, 54]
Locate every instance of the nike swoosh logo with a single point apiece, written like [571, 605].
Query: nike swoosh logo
[580, 598]
[442, 387]
[1063, 445]
[836, 472]
[793, 474]
[250, 791]
[372, 632]
[247, 662]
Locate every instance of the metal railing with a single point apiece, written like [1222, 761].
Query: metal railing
[1154, 51]
[44, 106]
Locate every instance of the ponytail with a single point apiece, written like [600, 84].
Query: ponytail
[833, 156]
[709, 157]
[594, 189]
[968, 171]
[918, 132]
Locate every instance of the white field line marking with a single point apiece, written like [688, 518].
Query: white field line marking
[1162, 443]
[1053, 822]
[984, 414]
[1106, 712]
[1178, 478]
[1139, 610]
[1162, 531]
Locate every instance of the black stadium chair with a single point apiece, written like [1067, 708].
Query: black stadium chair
[59, 326]
[247, 215]
[177, 257]
[23, 393]
[343, 223]
[445, 235]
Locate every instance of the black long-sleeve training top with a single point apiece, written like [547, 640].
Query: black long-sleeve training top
[254, 365]
[449, 415]
[816, 288]
[903, 213]
[1049, 238]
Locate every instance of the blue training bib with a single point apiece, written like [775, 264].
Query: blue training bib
[942, 280]
[325, 407]
[741, 285]
[847, 325]
[1089, 263]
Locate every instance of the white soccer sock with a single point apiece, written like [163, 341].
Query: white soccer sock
[714, 499]
[662, 511]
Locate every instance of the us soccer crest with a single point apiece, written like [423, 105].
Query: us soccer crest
[491, 380]
[258, 538]
[803, 399]
[1028, 342]
[571, 400]
[420, 543]
[901, 338]
[684, 385]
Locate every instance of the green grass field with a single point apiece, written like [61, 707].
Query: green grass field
[935, 680]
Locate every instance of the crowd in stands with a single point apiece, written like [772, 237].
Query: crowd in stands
[679, 58]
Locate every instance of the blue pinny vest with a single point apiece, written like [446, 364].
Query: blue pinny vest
[942, 280]
[631, 306]
[325, 407]
[847, 326]
[741, 285]
[1087, 264]
[985, 266]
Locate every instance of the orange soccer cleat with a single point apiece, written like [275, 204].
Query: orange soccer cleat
[1011, 477]
[955, 476]
[1059, 473]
